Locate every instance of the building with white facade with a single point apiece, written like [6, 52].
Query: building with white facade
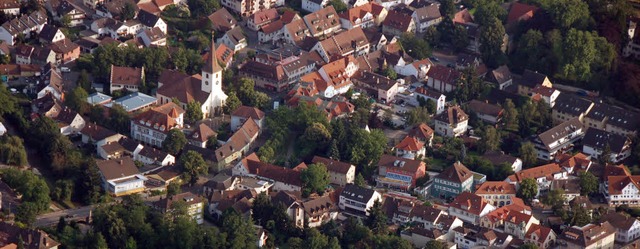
[151, 127]
[356, 200]
[121, 176]
[452, 122]
[340, 173]
[470, 207]
[558, 139]
[194, 204]
[596, 141]
[627, 228]
[543, 175]
[24, 25]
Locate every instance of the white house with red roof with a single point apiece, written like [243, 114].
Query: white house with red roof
[541, 236]
[365, 16]
[443, 78]
[470, 207]
[340, 173]
[152, 126]
[333, 78]
[497, 193]
[262, 18]
[543, 175]
[410, 148]
[240, 115]
[399, 173]
[510, 219]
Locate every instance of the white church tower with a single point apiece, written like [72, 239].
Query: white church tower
[212, 80]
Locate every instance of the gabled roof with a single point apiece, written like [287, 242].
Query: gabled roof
[359, 12]
[167, 203]
[444, 74]
[273, 172]
[588, 235]
[546, 170]
[66, 116]
[499, 157]
[422, 131]
[452, 115]
[181, 86]
[147, 19]
[64, 46]
[48, 32]
[519, 10]
[126, 75]
[222, 20]
[540, 231]
[506, 214]
[117, 168]
[458, 173]
[619, 220]
[560, 131]
[333, 165]
[264, 16]
[322, 20]
[297, 30]
[410, 144]
[463, 17]
[357, 193]
[248, 112]
[531, 79]
[236, 36]
[320, 205]
[162, 118]
[618, 183]
[615, 116]
[428, 13]
[11, 234]
[599, 139]
[485, 108]
[496, 188]
[571, 104]
[469, 202]
[202, 133]
[96, 132]
[344, 42]
[398, 20]
[401, 164]
[500, 75]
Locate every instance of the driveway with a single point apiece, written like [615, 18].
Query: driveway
[444, 57]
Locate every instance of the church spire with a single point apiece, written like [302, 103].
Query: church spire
[212, 65]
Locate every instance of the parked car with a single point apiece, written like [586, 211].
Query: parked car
[65, 69]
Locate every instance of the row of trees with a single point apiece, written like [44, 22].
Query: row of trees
[34, 191]
[12, 151]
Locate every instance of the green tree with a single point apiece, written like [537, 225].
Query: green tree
[174, 142]
[212, 142]
[528, 246]
[77, 100]
[529, 53]
[84, 81]
[314, 137]
[333, 152]
[580, 217]
[569, 13]
[588, 183]
[389, 72]
[232, 103]
[555, 198]
[360, 181]
[458, 37]
[63, 190]
[510, 116]
[579, 52]
[528, 189]
[491, 40]
[12, 151]
[240, 232]
[528, 154]
[26, 213]
[90, 183]
[193, 166]
[415, 46]
[315, 178]
[128, 11]
[605, 156]
[418, 115]
[447, 8]
[65, 21]
[434, 244]
[173, 189]
[119, 120]
[194, 112]
[432, 36]
[377, 219]
[339, 5]
[487, 10]
[490, 139]
[202, 7]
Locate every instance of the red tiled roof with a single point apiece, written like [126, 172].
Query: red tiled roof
[463, 17]
[457, 173]
[333, 165]
[162, 118]
[540, 231]
[248, 112]
[520, 12]
[422, 131]
[541, 171]
[410, 144]
[398, 20]
[264, 16]
[496, 187]
[469, 202]
[276, 173]
[444, 74]
[126, 75]
[618, 183]
[181, 86]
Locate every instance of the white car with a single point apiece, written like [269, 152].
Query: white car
[65, 69]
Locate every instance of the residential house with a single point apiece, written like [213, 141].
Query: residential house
[194, 205]
[418, 69]
[574, 164]
[98, 135]
[497, 193]
[23, 54]
[50, 34]
[114, 8]
[121, 176]
[69, 121]
[489, 113]
[530, 80]
[292, 204]
[452, 122]
[570, 188]
[627, 228]
[543, 175]
[469, 207]
[314, 5]
[501, 77]
[16, 236]
[596, 141]
[66, 51]
[541, 236]
[222, 21]
[397, 23]
[569, 106]
[500, 158]
[340, 173]
[151, 21]
[350, 42]
[633, 44]
[238, 200]
[435, 96]
[25, 25]
[296, 32]
[242, 113]
[519, 12]
[510, 219]
[205, 88]
[546, 94]
[51, 83]
[321, 210]
[423, 133]
[622, 190]
[220, 182]
[201, 134]
[558, 139]
[129, 78]
[10, 7]
[238, 145]
[426, 17]
[377, 40]
[613, 119]
[47, 106]
[452, 181]
[410, 148]
[323, 22]
[283, 178]
[234, 39]
[272, 32]
[149, 155]
[74, 14]
[601, 235]
[261, 18]
[152, 126]
[399, 208]
[357, 201]
[364, 16]
[245, 8]
[153, 37]
[443, 79]
[399, 173]
[267, 76]
[333, 78]
[256, 185]
[381, 87]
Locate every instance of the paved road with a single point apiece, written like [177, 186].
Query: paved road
[50, 219]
